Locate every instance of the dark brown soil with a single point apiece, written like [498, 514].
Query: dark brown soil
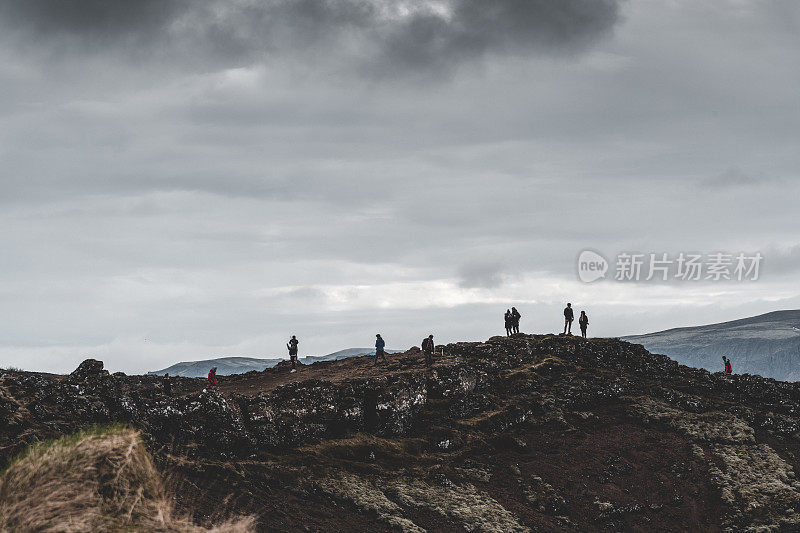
[254, 383]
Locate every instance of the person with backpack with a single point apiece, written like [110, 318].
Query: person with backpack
[292, 346]
[428, 348]
[380, 344]
[728, 368]
[515, 316]
[509, 323]
[569, 316]
[212, 377]
[583, 322]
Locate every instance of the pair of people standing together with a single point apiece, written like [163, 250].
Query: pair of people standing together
[569, 316]
[512, 317]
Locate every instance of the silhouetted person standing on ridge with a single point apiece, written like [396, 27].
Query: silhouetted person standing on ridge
[427, 349]
[292, 346]
[728, 368]
[380, 344]
[515, 316]
[167, 384]
[212, 377]
[583, 322]
[569, 316]
[509, 322]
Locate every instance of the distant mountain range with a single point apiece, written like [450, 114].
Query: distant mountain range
[768, 345]
[239, 365]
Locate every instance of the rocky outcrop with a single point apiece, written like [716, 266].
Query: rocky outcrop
[546, 433]
[88, 369]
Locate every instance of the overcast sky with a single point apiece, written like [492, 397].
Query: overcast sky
[183, 179]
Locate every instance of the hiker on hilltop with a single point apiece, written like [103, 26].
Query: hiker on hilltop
[583, 322]
[292, 346]
[569, 316]
[427, 349]
[380, 344]
[509, 322]
[728, 368]
[167, 384]
[515, 316]
[212, 377]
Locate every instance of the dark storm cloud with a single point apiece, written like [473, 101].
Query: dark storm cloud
[477, 28]
[407, 35]
[92, 18]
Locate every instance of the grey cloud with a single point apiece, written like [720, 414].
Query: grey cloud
[477, 28]
[92, 22]
[734, 177]
[156, 183]
[306, 294]
[781, 262]
[385, 35]
[481, 275]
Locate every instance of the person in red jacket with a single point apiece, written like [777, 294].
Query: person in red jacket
[212, 377]
[728, 369]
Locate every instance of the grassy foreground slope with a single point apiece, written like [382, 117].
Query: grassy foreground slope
[101, 479]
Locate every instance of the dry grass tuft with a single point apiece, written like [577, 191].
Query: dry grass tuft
[358, 447]
[97, 480]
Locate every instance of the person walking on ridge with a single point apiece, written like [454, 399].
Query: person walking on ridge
[380, 344]
[509, 322]
[728, 368]
[515, 316]
[167, 384]
[427, 349]
[212, 377]
[583, 322]
[292, 346]
[569, 316]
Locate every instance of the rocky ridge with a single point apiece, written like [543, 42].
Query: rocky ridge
[529, 433]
